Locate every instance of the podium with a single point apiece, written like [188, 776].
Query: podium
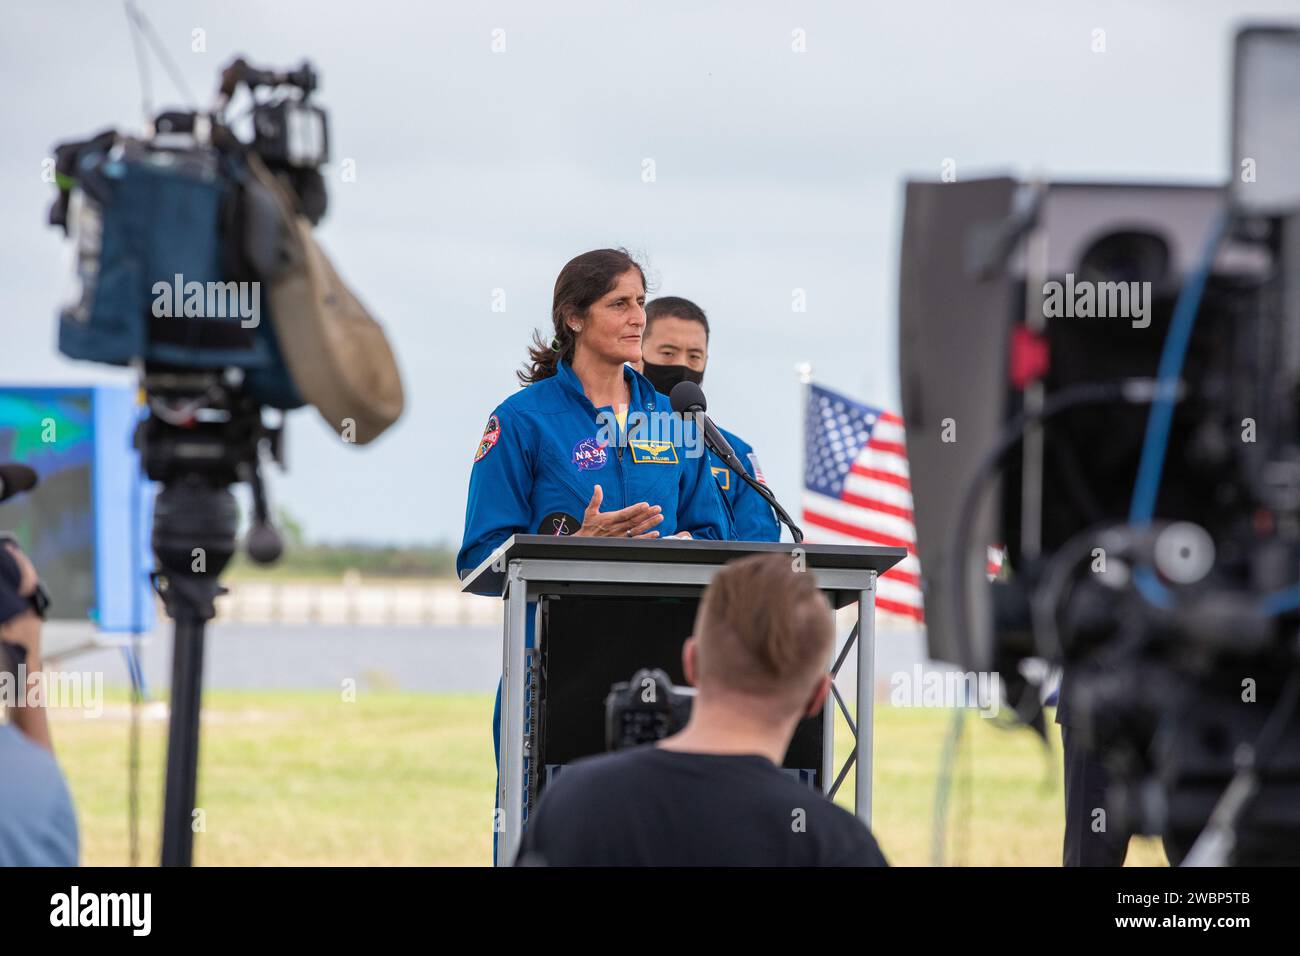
[643, 587]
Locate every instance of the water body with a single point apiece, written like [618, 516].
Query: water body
[312, 656]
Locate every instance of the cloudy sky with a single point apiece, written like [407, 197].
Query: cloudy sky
[480, 170]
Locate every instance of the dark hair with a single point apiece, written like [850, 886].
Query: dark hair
[582, 281]
[677, 307]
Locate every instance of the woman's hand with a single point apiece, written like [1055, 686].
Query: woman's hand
[634, 521]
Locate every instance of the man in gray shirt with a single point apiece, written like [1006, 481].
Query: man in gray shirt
[38, 826]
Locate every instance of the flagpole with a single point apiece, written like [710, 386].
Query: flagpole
[805, 372]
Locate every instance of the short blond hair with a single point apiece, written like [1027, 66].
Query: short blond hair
[763, 629]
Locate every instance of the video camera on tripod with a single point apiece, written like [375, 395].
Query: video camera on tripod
[187, 240]
[1121, 365]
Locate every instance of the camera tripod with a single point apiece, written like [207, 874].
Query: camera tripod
[200, 438]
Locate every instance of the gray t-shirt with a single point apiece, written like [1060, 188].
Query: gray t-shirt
[38, 826]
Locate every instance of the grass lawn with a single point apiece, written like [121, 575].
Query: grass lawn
[302, 778]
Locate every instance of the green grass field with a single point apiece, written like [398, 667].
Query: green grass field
[400, 779]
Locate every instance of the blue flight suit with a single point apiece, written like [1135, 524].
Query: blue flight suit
[541, 454]
[755, 519]
[545, 449]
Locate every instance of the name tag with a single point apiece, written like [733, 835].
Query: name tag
[653, 452]
[723, 475]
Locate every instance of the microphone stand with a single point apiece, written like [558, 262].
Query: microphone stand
[722, 448]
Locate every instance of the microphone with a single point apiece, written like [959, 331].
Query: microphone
[687, 398]
[15, 479]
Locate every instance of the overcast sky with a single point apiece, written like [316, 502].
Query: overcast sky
[476, 170]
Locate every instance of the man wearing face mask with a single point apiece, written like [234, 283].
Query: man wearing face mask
[675, 348]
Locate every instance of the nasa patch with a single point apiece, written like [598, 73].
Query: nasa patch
[490, 435]
[589, 455]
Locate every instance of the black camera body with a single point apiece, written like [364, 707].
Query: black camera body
[645, 709]
[291, 134]
[40, 598]
[13, 604]
[1140, 464]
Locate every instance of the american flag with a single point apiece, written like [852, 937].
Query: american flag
[857, 490]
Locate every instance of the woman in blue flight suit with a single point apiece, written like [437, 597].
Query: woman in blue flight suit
[587, 448]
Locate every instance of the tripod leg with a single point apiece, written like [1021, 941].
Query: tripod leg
[194, 538]
[183, 743]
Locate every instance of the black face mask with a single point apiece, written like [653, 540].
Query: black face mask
[664, 377]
